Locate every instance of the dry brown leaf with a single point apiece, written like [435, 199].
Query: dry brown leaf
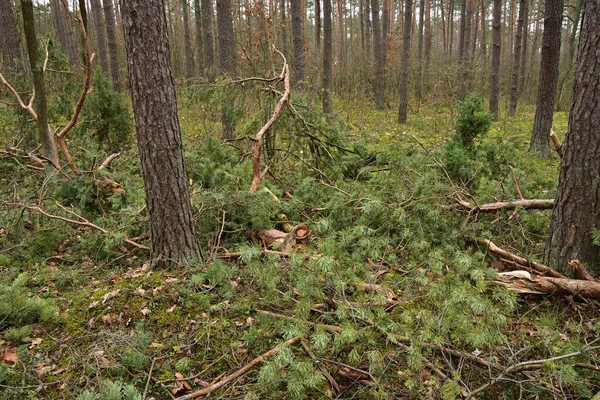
[110, 295]
[9, 356]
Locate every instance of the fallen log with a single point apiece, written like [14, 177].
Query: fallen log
[524, 282]
[531, 204]
[519, 260]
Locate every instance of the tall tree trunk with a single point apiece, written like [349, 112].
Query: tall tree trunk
[317, 27]
[109, 18]
[496, 50]
[207, 36]
[444, 28]
[420, 50]
[341, 4]
[46, 138]
[464, 66]
[573, 36]
[428, 42]
[368, 27]
[327, 55]
[524, 49]
[298, 43]
[544, 112]
[450, 27]
[189, 54]
[172, 230]
[100, 36]
[228, 61]
[199, 41]
[283, 27]
[10, 45]
[361, 19]
[379, 60]
[483, 31]
[403, 107]
[514, 91]
[64, 32]
[576, 213]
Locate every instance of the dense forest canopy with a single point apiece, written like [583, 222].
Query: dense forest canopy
[299, 199]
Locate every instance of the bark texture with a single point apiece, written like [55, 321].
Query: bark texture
[100, 36]
[379, 57]
[10, 45]
[64, 31]
[403, 108]
[199, 44]
[496, 48]
[187, 37]
[298, 42]
[158, 132]
[207, 36]
[420, 50]
[327, 55]
[577, 206]
[228, 59]
[514, 90]
[109, 18]
[544, 112]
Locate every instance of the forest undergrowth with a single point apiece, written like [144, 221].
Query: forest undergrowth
[386, 297]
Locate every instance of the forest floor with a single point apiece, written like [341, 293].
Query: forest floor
[386, 298]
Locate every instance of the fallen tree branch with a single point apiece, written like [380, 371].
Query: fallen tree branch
[328, 328]
[524, 282]
[258, 175]
[238, 373]
[580, 271]
[519, 260]
[556, 143]
[533, 204]
[108, 160]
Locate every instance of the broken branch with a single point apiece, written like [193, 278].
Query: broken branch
[524, 282]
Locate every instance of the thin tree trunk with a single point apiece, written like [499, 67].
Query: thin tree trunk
[544, 113]
[444, 28]
[496, 50]
[189, 54]
[228, 61]
[341, 32]
[47, 141]
[361, 18]
[283, 28]
[100, 36]
[109, 18]
[483, 32]
[403, 107]
[379, 60]
[573, 36]
[428, 42]
[575, 216]
[199, 41]
[420, 51]
[524, 49]
[207, 36]
[327, 55]
[317, 27]
[450, 27]
[154, 101]
[298, 43]
[10, 45]
[368, 26]
[514, 91]
[61, 24]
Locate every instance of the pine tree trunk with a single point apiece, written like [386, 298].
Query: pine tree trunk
[368, 27]
[10, 45]
[228, 62]
[199, 41]
[483, 33]
[378, 53]
[514, 91]
[47, 141]
[317, 27]
[420, 51]
[428, 41]
[576, 213]
[207, 36]
[576, 16]
[187, 35]
[100, 36]
[327, 56]
[172, 230]
[403, 107]
[64, 32]
[283, 28]
[109, 18]
[544, 113]
[523, 77]
[298, 43]
[496, 50]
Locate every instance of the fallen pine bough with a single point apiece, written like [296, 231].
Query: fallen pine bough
[524, 282]
[532, 204]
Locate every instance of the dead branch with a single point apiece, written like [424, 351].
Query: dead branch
[238, 373]
[108, 160]
[60, 136]
[517, 188]
[324, 370]
[328, 328]
[580, 271]
[556, 143]
[29, 106]
[258, 176]
[519, 260]
[532, 204]
[524, 282]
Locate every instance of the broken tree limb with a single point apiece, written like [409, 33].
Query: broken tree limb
[519, 260]
[258, 175]
[532, 204]
[328, 328]
[556, 143]
[580, 271]
[524, 282]
[238, 373]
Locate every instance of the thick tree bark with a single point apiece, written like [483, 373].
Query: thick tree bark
[10, 45]
[189, 53]
[199, 44]
[109, 18]
[403, 107]
[544, 112]
[47, 141]
[298, 43]
[496, 48]
[207, 36]
[514, 90]
[154, 102]
[327, 56]
[378, 53]
[576, 213]
[228, 61]
[100, 36]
